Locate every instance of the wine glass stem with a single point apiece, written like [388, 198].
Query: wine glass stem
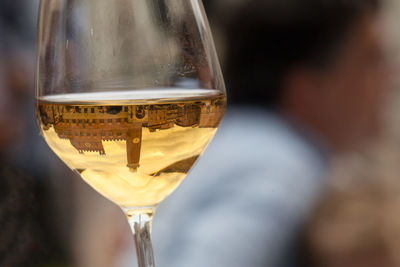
[141, 228]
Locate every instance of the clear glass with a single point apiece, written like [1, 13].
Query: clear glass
[129, 93]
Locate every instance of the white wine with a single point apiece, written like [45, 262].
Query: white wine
[135, 148]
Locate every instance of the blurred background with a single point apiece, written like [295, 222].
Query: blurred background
[49, 217]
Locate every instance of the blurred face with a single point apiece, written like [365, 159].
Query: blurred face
[343, 103]
[353, 91]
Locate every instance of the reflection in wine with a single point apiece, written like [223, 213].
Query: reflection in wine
[135, 155]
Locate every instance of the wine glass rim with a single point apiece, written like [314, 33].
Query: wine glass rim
[163, 94]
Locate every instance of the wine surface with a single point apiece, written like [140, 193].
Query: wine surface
[135, 148]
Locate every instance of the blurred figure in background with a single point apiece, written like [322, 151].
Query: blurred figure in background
[28, 233]
[317, 73]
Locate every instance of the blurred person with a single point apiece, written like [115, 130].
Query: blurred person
[307, 80]
[28, 236]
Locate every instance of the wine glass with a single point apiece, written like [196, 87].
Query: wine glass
[128, 94]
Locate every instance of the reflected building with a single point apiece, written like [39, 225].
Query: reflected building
[87, 127]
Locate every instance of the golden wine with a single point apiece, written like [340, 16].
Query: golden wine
[135, 148]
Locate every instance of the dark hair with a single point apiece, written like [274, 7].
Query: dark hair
[269, 37]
